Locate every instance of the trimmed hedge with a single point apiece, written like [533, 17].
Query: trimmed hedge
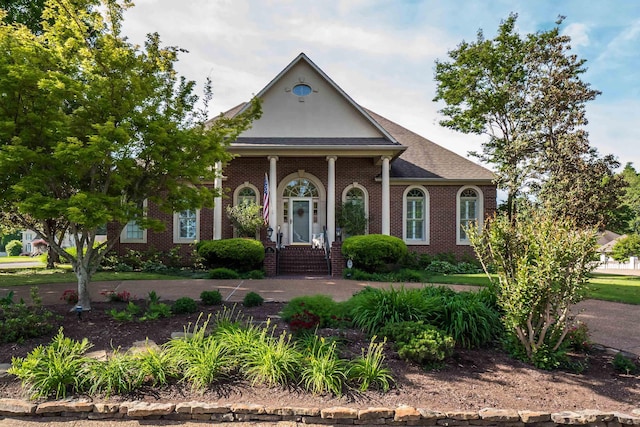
[237, 254]
[374, 252]
[14, 248]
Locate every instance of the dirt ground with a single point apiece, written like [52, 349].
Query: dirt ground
[470, 380]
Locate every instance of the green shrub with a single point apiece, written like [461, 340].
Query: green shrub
[374, 252]
[467, 268]
[18, 321]
[321, 306]
[237, 254]
[252, 299]
[406, 275]
[184, 305]
[377, 307]
[441, 267]
[54, 370]
[468, 320]
[578, 337]
[119, 374]
[156, 310]
[211, 297]
[624, 365]
[255, 274]
[270, 360]
[223, 273]
[419, 342]
[14, 248]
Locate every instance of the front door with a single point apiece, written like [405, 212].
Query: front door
[300, 222]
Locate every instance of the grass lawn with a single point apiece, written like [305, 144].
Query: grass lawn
[42, 276]
[607, 287]
[15, 259]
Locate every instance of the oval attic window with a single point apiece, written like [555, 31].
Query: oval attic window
[301, 90]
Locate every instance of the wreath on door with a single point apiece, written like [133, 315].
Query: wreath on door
[300, 212]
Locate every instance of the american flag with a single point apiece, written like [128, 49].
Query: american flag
[265, 200]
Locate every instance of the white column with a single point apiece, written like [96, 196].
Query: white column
[386, 209]
[217, 203]
[331, 199]
[273, 197]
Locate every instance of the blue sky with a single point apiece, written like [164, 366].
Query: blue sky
[382, 53]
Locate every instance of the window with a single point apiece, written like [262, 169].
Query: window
[132, 232]
[301, 90]
[469, 203]
[356, 195]
[246, 195]
[416, 216]
[186, 226]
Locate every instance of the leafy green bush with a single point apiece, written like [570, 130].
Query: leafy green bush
[119, 374]
[252, 299]
[211, 297]
[623, 364]
[469, 320]
[18, 321]
[467, 268]
[156, 310]
[441, 267]
[53, 370]
[374, 252]
[14, 248]
[377, 307]
[246, 218]
[271, 360]
[223, 273]
[255, 274]
[626, 247]
[184, 305]
[125, 315]
[237, 254]
[419, 342]
[321, 306]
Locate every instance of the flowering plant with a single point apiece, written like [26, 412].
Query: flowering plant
[70, 296]
[113, 296]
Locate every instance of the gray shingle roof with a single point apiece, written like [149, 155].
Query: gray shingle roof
[426, 159]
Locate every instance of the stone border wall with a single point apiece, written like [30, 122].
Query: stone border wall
[400, 416]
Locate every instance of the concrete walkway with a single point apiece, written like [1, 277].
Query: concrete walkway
[610, 324]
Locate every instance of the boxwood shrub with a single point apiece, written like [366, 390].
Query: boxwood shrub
[374, 252]
[237, 254]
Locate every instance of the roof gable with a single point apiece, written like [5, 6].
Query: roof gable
[326, 112]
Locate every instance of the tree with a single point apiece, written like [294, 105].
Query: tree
[352, 218]
[26, 12]
[627, 215]
[541, 265]
[527, 95]
[626, 247]
[91, 126]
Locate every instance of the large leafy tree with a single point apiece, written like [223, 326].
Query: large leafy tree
[627, 215]
[91, 126]
[27, 12]
[527, 95]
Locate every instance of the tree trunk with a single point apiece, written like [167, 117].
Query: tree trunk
[84, 278]
[52, 259]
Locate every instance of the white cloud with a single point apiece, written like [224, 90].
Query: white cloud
[578, 33]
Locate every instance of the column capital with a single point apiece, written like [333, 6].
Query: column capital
[334, 158]
[273, 158]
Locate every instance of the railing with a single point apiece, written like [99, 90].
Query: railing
[278, 247]
[327, 249]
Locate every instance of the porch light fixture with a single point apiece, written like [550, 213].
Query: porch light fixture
[269, 233]
[338, 234]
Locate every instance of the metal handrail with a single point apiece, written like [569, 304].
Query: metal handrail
[327, 248]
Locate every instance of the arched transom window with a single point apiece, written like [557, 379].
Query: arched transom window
[247, 195]
[301, 187]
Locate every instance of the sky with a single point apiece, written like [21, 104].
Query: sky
[383, 52]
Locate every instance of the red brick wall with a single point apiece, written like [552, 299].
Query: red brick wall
[442, 202]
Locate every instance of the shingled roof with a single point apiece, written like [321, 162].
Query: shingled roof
[426, 159]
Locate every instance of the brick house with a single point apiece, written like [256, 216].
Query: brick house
[319, 148]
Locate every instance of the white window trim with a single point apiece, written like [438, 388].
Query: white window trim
[365, 195]
[176, 229]
[480, 205]
[123, 234]
[245, 184]
[427, 216]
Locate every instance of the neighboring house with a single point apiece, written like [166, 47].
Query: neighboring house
[33, 245]
[319, 148]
